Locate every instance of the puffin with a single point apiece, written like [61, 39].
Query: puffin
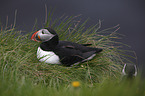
[66, 53]
[129, 71]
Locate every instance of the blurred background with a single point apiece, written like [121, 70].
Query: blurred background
[130, 14]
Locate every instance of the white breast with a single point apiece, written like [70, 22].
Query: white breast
[47, 57]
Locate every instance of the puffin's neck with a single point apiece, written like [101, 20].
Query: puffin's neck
[50, 45]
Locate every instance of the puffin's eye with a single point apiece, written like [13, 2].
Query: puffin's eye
[42, 32]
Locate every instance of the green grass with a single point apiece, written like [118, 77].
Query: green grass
[24, 87]
[22, 74]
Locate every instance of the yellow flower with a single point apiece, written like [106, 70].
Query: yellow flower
[75, 83]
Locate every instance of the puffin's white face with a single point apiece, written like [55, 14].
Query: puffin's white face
[129, 68]
[42, 35]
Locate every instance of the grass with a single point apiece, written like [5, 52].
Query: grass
[24, 87]
[22, 74]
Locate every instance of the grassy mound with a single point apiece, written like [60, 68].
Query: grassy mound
[18, 54]
[105, 88]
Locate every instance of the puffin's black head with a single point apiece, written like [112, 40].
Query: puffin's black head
[43, 35]
[129, 70]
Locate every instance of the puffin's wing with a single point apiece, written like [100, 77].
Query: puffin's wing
[73, 47]
[81, 47]
[77, 58]
[70, 60]
[69, 47]
[86, 44]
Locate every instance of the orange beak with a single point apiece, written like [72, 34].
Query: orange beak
[33, 37]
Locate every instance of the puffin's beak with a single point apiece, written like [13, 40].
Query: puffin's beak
[33, 37]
